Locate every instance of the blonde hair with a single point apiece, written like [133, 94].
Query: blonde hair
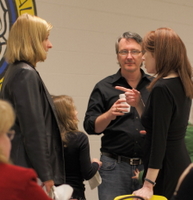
[65, 111]
[7, 118]
[25, 41]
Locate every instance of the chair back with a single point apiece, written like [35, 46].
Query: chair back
[131, 196]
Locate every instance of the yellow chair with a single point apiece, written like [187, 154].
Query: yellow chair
[126, 197]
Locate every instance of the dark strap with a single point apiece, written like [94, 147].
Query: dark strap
[131, 161]
[131, 197]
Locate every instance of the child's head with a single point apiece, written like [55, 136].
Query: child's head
[66, 112]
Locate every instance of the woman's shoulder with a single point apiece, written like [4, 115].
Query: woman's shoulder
[77, 134]
[14, 172]
[81, 134]
[166, 84]
[19, 182]
[171, 85]
[21, 70]
[168, 81]
[78, 137]
[22, 65]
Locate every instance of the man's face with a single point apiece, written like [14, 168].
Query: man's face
[129, 62]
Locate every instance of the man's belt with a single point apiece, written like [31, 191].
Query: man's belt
[131, 161]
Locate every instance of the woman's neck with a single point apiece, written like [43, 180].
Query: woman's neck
[172, 74]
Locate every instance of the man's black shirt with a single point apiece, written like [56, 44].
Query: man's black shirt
[122, 136]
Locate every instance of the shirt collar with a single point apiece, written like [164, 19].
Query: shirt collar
[119, 76]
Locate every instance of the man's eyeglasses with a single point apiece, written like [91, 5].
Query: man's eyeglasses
[11, 134]
[132, 52]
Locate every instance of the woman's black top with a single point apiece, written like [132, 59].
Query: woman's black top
[78, 163]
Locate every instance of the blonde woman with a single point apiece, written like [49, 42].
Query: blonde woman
[16, 182]
[37, 141]
[78, 164]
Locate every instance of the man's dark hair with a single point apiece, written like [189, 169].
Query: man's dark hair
[128, 35]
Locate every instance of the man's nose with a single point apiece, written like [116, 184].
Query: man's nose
[129, 55]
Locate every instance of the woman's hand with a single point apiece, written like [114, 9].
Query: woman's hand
[48, 185]
[145, 192]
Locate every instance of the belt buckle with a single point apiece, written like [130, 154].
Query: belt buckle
[133, 160]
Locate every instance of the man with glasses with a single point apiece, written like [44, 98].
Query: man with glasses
[123, 134]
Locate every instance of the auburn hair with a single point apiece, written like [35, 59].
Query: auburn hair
[170, 54]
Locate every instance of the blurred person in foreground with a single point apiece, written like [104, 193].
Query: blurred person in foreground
[166, 113]
[37, 143]
[16, 183]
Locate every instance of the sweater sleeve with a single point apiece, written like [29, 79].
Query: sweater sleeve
[161, 106]
[88, 169]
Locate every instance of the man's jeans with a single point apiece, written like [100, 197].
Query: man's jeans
[117, 178]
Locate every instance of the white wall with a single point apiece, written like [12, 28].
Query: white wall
[83, 40]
